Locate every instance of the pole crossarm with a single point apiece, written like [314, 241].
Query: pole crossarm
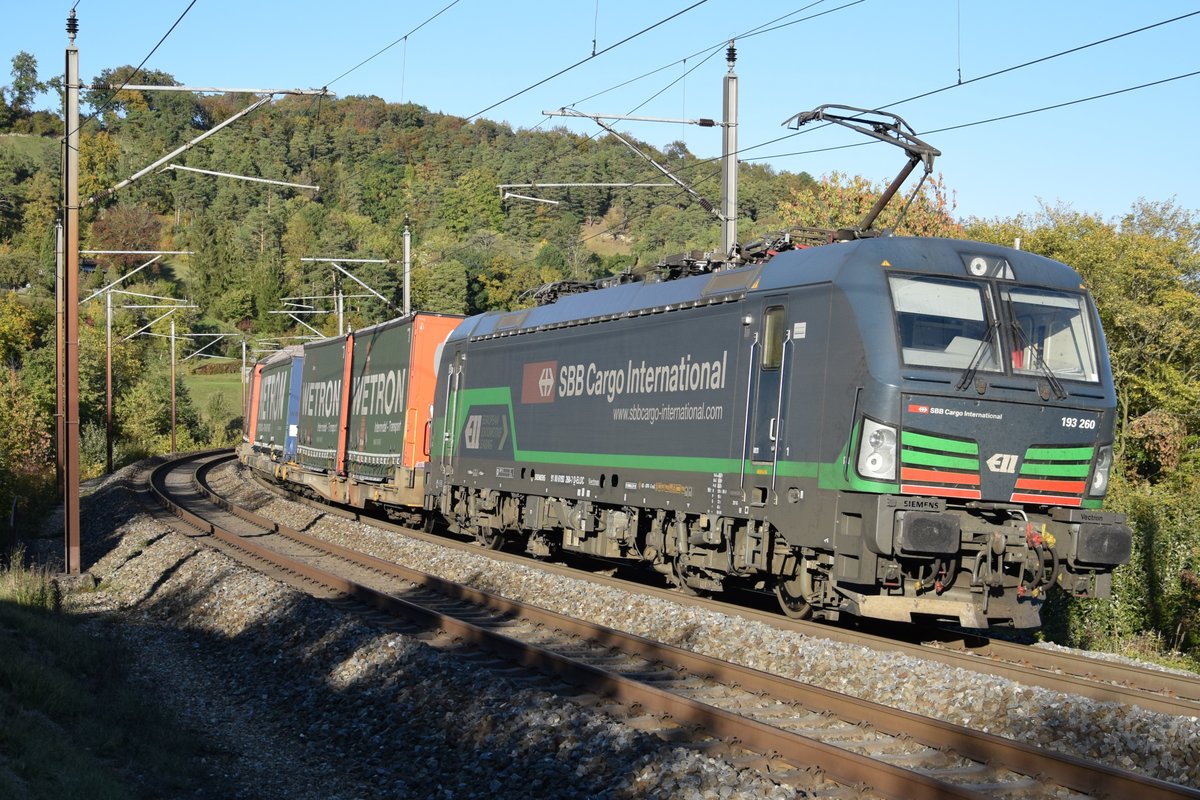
[128, 293]
[216, 338]
[304, 308]
[147, 326]
[333, 262]
[155, 321]
[585, 185]
[515, 196]
[103, 289]
[704, 203]
[240, 177]
[182, 149]
[306, 325]
[703, 122]
[352, 277]
[353, 260]
[137, 252]
[211, 89]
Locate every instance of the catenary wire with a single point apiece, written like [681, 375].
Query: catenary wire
[937, 130]
[720, 45]
[711, 51]
[564, 70]
[112, 97]
[403, 38]
[996, 73]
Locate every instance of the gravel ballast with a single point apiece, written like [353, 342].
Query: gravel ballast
[305, 701]
[301, 700]
[1160, 745]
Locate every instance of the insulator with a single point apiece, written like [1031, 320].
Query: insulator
[731, 54]
[72, 25]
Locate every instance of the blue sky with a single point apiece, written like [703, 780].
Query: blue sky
[1099, 156]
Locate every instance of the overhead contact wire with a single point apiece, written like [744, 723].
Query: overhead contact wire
[112, 97]
[565, 70]
[403, 38]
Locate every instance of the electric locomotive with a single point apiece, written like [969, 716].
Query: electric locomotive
[887, 427]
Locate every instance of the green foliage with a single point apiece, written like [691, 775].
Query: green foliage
[16, 100]
[126, 227]
[440, 287]
[222, 421]
[26, 455]
[472, 203]
[840, 201]
[1143, 273]
[144, 415]
[1155, 609]
[26, 587]
[17, 332]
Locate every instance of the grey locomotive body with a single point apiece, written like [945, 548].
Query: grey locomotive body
[889, 427]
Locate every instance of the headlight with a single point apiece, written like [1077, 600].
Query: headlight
[1100, 475]
[877, 452]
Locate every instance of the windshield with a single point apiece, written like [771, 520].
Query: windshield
[1055, 327]
[945, 323]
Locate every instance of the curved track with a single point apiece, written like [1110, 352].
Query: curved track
[855, 742]
[1058, 670]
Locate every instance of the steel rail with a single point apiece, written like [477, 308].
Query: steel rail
[1075, 773]
[844, 766]
[1061, 671]
[1180, 693]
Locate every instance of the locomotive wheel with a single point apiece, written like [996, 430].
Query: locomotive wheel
[489, 538]
[790, 593]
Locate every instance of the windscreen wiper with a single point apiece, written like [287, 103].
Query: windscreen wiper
[1019, 332]
[968, 374]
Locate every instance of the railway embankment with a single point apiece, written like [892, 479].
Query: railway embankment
[299, 698]
[302, 698]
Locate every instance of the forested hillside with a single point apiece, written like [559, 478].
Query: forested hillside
[381, 166]
[378, 165]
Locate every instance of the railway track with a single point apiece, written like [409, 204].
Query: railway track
[855, 743]
[1057, 670]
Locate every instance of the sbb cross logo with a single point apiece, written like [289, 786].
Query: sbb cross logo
[537, 382]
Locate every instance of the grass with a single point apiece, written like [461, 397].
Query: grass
[604, 245]
[202, 387]
[29, 146]
[74, 725]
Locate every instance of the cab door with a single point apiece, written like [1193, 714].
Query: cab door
[454, 387]
[769, 381]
